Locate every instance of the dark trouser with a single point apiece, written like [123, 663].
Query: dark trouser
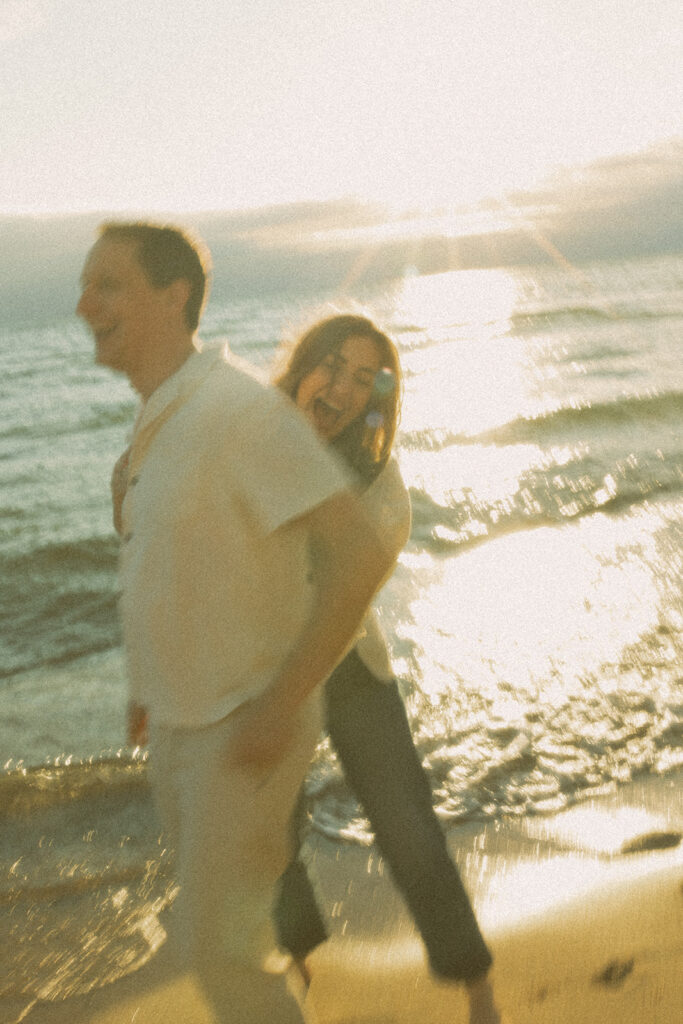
[368, 726]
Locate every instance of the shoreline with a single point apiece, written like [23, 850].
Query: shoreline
[580, 929]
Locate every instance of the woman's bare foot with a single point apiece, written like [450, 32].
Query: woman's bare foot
[302, 967]
[483, 1008]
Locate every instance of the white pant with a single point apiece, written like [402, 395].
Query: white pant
[230, 829]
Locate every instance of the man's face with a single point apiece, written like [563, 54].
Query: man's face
[126, 314]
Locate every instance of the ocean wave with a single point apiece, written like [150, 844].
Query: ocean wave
[639, 410]
[594, 354]
[81, 858]
[97, 418]
[631, 410]
[23, 791]
[58, 602]
[76, 826]
[66, 556]
[481, 766]
[101, 829]
[534, 321]
[545, 497]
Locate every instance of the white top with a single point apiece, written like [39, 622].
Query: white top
[387, 503]
[215, 560]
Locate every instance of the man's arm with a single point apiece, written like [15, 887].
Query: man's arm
[349, 566]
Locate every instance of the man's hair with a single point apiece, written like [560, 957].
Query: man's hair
[366, 443]
[166, 254]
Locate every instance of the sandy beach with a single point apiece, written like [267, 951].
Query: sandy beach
[583, 911]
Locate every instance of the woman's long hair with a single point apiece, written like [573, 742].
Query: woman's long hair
[366, 443]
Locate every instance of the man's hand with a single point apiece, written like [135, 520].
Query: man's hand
[262, 736]
[138, 721]
[119, 485]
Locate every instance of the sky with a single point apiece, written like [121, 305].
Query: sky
[431, 107]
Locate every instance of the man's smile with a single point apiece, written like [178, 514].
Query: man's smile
[101, 334]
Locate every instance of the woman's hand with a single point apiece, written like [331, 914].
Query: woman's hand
[138, 725]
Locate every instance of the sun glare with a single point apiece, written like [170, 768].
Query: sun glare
[481, 376]
[482, 299]
[533, 623]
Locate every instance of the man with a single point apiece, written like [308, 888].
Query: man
[229, 625]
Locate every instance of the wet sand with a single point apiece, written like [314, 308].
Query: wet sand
[583, 912]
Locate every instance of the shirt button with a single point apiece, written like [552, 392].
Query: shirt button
[127, 537]
[133, 480]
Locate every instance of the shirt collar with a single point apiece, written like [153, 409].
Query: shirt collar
[180, 384]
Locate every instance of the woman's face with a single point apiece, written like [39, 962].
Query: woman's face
[338, 390]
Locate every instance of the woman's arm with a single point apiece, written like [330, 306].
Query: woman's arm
[387, 505]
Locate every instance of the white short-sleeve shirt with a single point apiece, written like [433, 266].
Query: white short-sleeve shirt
[215, 566]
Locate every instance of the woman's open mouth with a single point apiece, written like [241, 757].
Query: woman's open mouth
[326, 416]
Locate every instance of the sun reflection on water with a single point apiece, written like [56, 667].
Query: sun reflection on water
[537, 632]
[484, 300]
[465, 372]
[537, 610]
[450, 474]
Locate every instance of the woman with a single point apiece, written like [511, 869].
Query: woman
[344, 375]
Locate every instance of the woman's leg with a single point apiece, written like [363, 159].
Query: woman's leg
[368, 726]
[298, 922]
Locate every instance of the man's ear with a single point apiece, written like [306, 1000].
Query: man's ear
[178, 293]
